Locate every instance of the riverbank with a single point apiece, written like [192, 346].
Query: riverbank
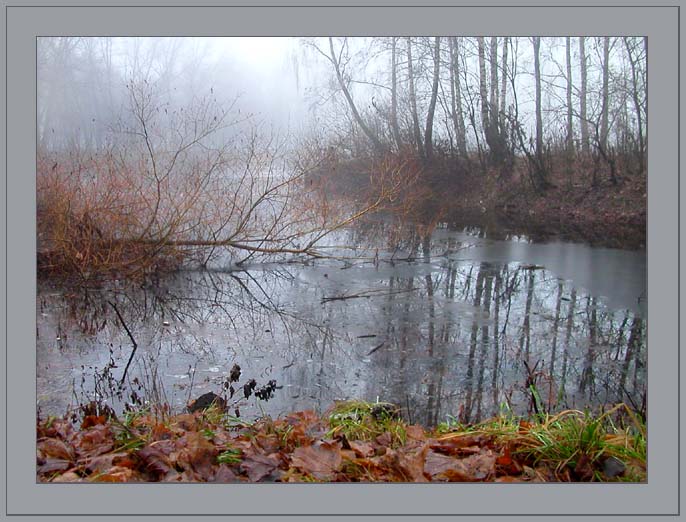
[577, 207]
[603, 216]
[350, 442]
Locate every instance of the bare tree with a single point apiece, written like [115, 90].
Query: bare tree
[172, 189]
[428, 134]
[633, 50]
[570, 110]
[335, 58]
[394, 95]
[605, 111]
[413, 101]
[503, 74]
[539, 116]
[583, 115]
[494, 82]
[483, 88]
[456, 97]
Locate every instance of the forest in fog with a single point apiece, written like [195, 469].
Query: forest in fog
[142, 141]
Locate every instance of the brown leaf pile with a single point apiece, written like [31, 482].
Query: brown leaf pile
[296, 448]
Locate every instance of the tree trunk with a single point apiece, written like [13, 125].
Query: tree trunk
[413, 101]
[483, 89]
[394, 96]
[495, 117]
[428, 134]
[503, 74]
[538, 169]
[356, 115]
[637, 104]
[456, 97]
[604, 128]
[582, 97]
[539, 116]
[570, 125]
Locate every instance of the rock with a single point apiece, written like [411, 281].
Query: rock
[613, 467]
[205, 401]
[385, 410]
[235, 373]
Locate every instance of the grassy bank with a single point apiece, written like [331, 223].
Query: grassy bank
[351, 442]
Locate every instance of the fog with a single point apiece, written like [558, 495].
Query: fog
[287, 86]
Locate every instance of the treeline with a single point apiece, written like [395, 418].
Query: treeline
[148, 156]
[553, 102]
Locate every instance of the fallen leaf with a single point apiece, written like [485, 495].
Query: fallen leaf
[309, 421]
[61, 428]
[508, 478]
[269, 443]
[94, 441]
[470, 469]
[408, 466]
[155, 459]
[506, 465]
[186, 422]
[455, 449]
[362, 448]
[415, 432]
[225, 474]
[102, 463]
[197, 454]
[92, 420]
[583, 470]
[385, 439]
[454, 444]
[321, 460]
[161, 432]
[258, 466]
[119, 474]
[69, 476]
[524, 426]
[52, 465]
[55, 448]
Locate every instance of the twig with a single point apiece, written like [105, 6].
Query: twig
[133, 341]
[366, 293]
[376, 348]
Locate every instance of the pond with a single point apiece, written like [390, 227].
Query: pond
[458, 326]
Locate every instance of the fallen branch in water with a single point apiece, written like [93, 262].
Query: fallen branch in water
[376, 348]
[366, 293]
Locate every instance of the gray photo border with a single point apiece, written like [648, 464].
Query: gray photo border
[23, 496]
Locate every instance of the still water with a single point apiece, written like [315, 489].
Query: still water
[456, 326]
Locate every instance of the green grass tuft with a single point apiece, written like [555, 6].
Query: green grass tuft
[361, 420]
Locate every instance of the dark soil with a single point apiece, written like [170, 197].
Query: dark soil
[605, 216]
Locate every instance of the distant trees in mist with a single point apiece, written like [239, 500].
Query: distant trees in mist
[492, 99]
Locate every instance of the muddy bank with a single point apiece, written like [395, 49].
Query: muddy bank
[607, 216]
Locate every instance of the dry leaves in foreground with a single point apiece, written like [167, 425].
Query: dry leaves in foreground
[207, 446]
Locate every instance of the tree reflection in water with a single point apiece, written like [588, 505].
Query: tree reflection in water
[437, 334]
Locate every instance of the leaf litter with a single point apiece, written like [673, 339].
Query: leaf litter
[351, 442]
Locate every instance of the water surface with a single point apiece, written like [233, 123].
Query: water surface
[456, 327]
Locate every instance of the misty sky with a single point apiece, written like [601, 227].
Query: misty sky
[283, 81]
